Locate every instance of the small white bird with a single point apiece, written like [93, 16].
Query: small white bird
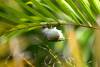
[53, 34]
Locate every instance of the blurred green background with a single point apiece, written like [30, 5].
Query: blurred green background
[23, 44]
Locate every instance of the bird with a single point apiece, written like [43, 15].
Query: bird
[53, 34]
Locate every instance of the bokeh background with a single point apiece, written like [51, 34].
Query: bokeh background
[22, 43]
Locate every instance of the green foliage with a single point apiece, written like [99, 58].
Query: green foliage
[31, 15]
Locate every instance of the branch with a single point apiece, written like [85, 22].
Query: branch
[28, 26]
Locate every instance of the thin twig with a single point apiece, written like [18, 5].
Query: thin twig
[29, 63]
